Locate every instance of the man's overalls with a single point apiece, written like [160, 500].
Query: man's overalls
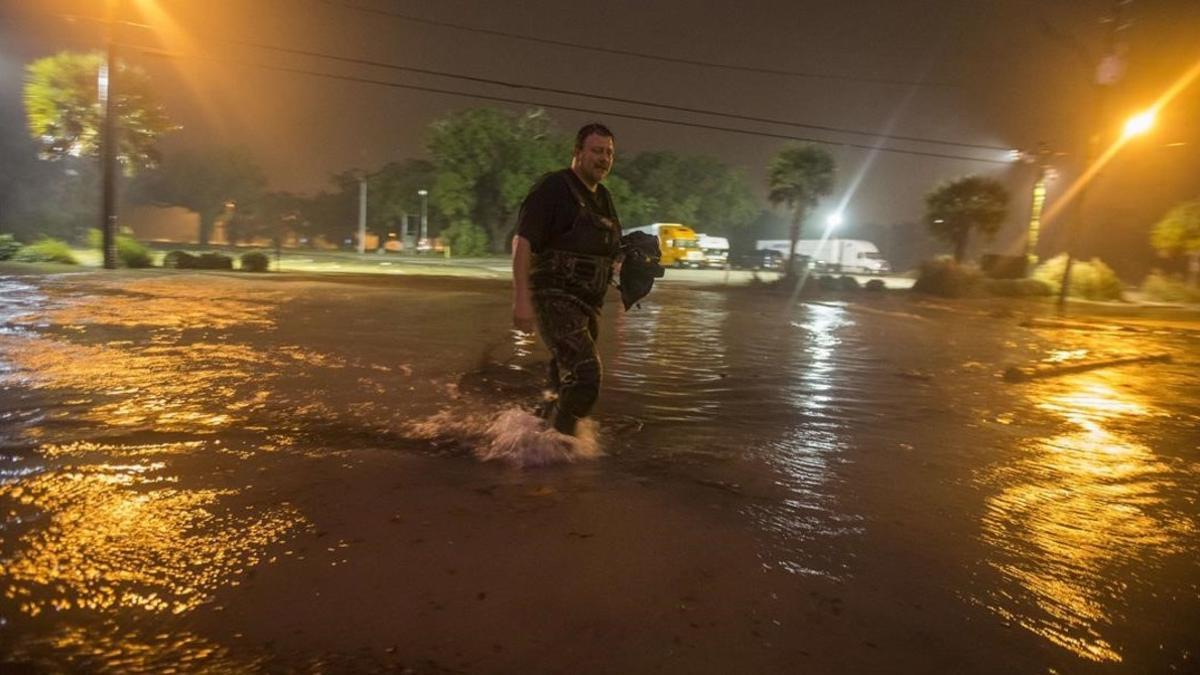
[568, 281]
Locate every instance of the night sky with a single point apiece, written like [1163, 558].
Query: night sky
[1002, 73]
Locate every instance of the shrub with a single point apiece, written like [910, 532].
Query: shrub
[997, 266]
[845, 283]
[875, 285]
[46, 250]
[181, 260]
[132, 253]
[466, 239]
[942, 276]
[1017, 288]
[255, 261]
[827, 282]
[1092, 280]
[8, 246]
[213, 261]
[1160, 287]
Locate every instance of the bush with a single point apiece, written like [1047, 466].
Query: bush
[827, 282]
[46, 250]
[997, 266]
[213, 261]
[466, 239]
[130, 252]
[180, 260]
[1160, 287]
[8, 246]
[943, 276]
[875, 285]
[845, 283]
[1017, 288]
[1092, 280]
[255, 261]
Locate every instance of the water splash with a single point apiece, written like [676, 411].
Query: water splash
[512, 436]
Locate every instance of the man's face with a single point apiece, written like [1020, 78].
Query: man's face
[595, 159]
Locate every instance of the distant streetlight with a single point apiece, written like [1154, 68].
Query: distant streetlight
[1139, 124]
[424, 194]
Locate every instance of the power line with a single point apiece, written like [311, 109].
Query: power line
[631, 53]
[614, 99]
[555, 106]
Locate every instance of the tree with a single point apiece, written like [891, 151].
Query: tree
[485, 161]
[954, 208]
[699, 191]
[64, 114]
[797, 178]
[1178, 233]
[205, 181]
[392, 194]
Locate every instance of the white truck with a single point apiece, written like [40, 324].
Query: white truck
[846, 255]
[715, 249]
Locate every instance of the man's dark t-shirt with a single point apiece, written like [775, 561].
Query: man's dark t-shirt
[550, 209]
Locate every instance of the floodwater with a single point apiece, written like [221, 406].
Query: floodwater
[218, 473]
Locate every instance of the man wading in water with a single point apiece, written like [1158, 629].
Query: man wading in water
[568, 240]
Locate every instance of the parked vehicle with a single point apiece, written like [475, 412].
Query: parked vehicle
[679, 244]
[844, 255]
[715, 249]
[759, 259]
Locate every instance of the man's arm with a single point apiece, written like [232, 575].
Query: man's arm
[522, 297]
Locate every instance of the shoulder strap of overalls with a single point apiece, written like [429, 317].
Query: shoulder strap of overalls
[575, 192]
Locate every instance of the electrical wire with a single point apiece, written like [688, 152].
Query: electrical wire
[556, 106]
[613, 99]
[631, 53]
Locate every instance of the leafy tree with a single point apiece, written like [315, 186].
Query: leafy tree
[485, 162]
[797, 178]
[700, 191]
[392, 194]
[955, 208]
[205, 181]
[54, 199]
[65, 117]
[1178, 233]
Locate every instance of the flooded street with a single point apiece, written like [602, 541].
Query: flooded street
[223, 473]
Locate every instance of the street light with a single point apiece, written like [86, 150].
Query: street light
[1139, 124]
[1135, 126]
[424, 194]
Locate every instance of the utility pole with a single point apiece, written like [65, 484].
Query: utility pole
[362, 214]
[109, 142]
[1042, 157]
[1108, 72]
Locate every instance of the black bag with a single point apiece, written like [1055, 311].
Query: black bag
[640, 267]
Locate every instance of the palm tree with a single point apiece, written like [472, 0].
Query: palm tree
[797, 177]
[954, 208]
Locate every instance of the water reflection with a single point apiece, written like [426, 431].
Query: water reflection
[1081, 517]
[811, 352]
[126, 534]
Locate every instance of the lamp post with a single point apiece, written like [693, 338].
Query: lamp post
[1135, 126]
[107, 90]
[362, 214]
[424, 194]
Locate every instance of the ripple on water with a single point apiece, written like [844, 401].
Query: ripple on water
[1080, 517]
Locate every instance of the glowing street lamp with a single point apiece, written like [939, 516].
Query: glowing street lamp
[1138, 124]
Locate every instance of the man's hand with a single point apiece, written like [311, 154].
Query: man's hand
[522, 298]
[523, 312]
